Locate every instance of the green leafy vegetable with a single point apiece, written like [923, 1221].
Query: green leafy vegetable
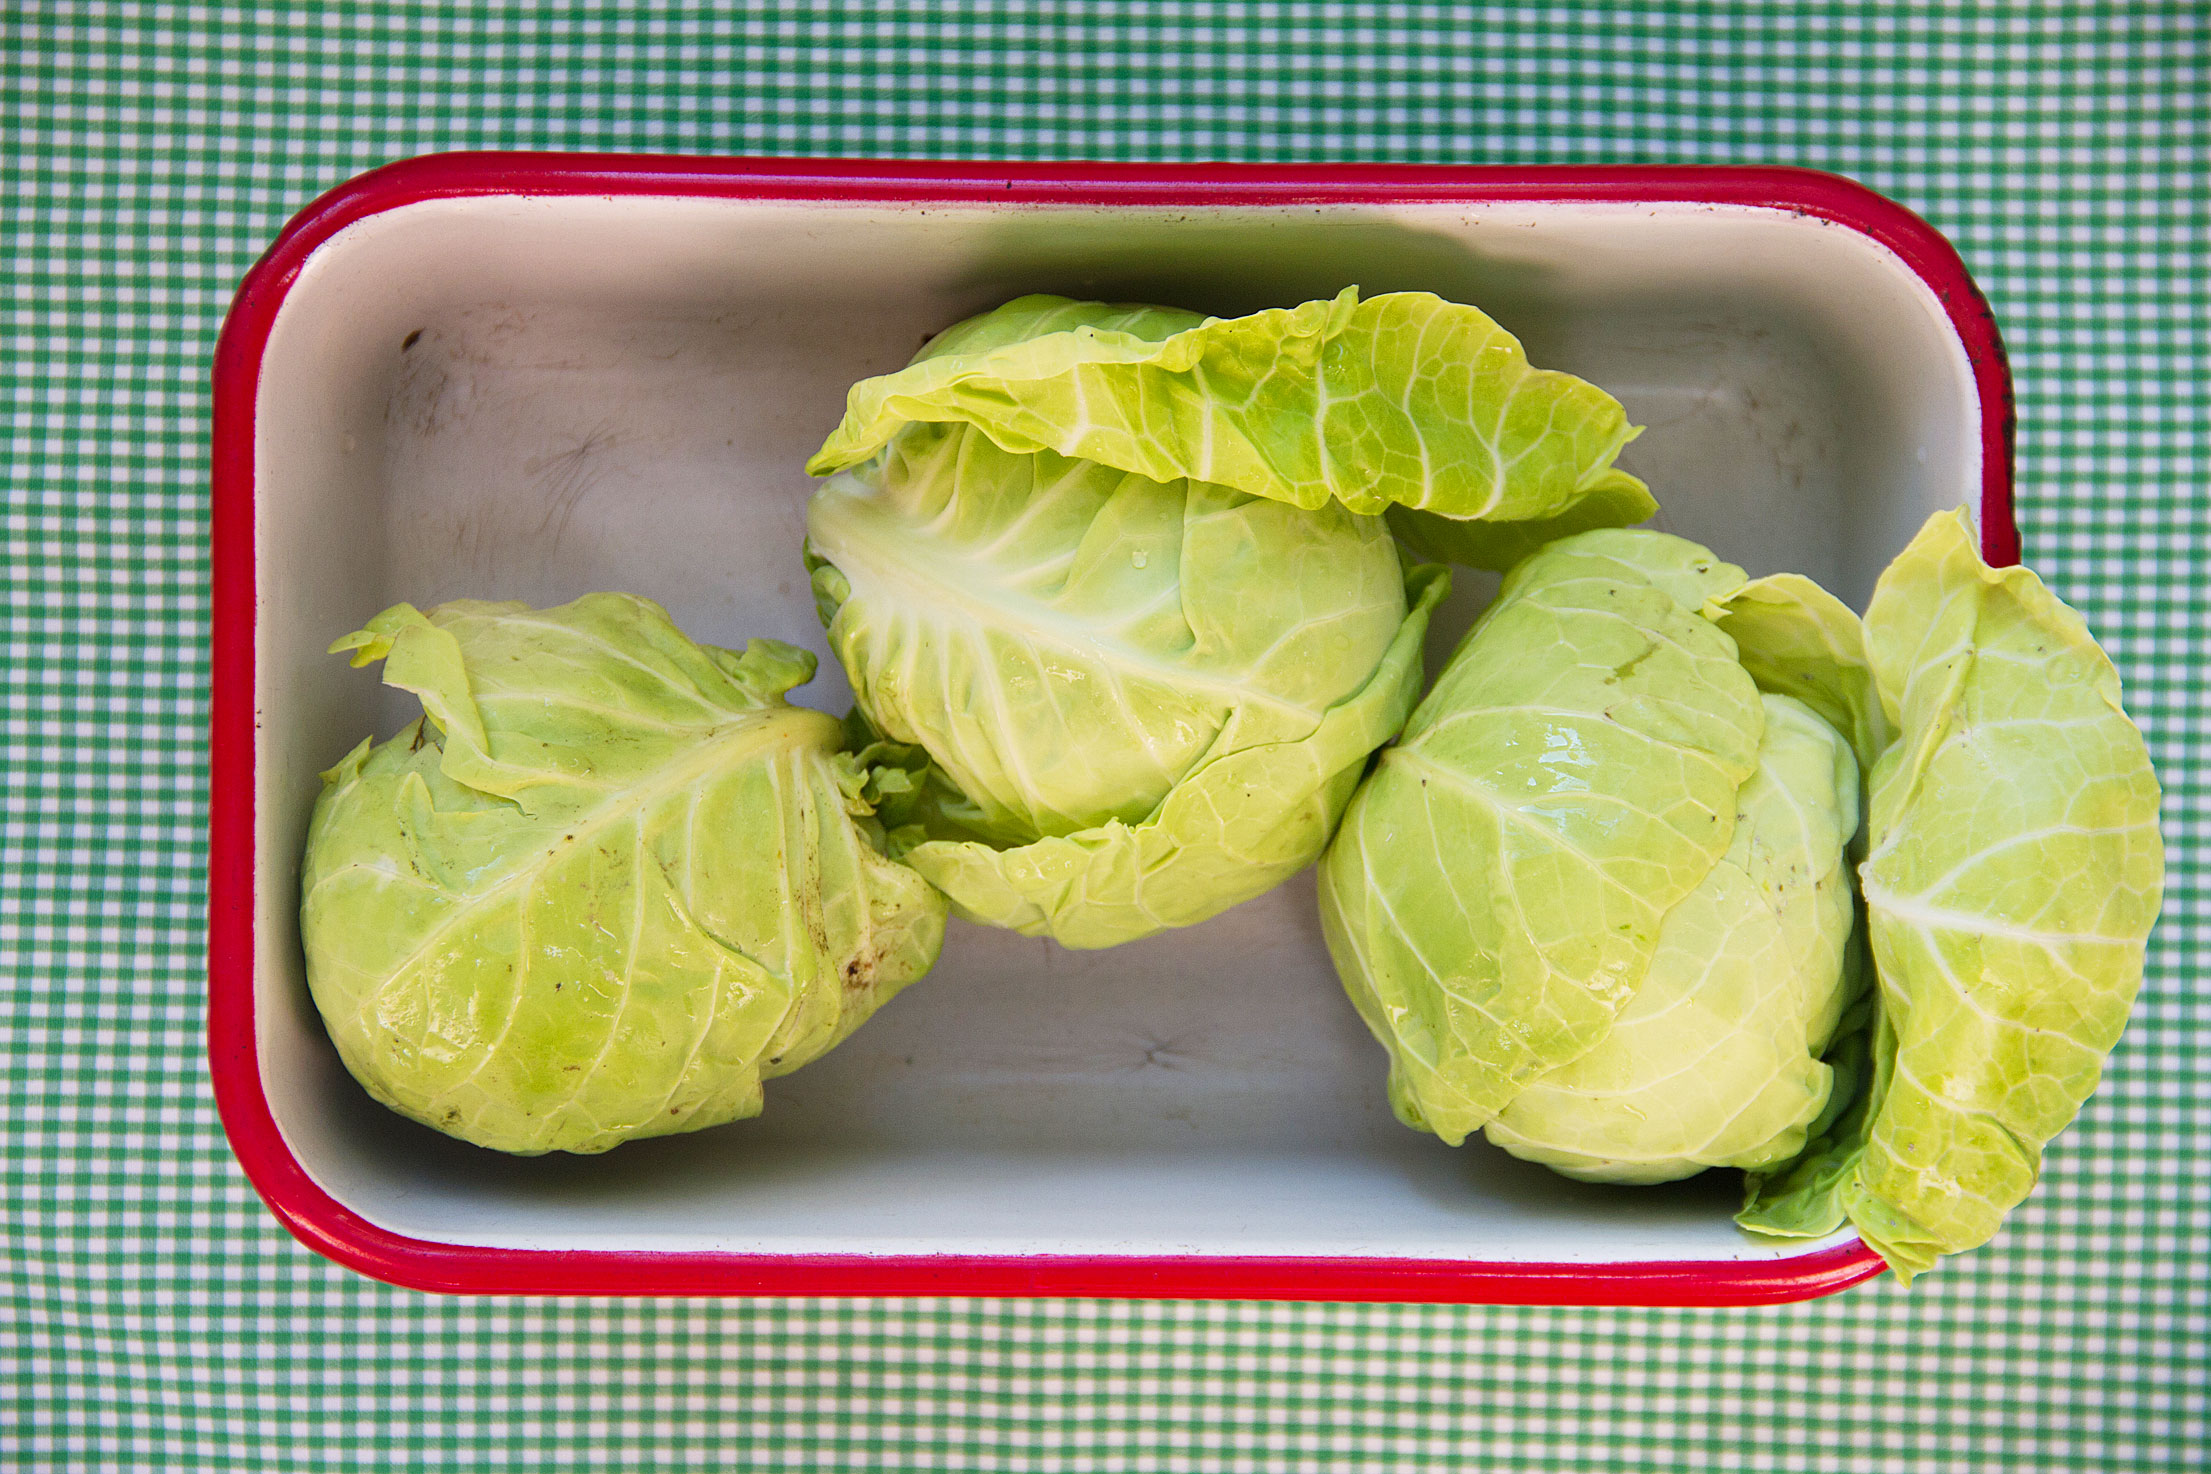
[1496, 895]
[2014, 872]
[605, 885]
[1145, 701]
[1596, 902]
[1398, 400]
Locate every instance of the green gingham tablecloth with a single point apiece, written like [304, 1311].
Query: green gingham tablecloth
[154, 1316]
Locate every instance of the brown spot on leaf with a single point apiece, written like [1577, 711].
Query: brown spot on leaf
[859, 974]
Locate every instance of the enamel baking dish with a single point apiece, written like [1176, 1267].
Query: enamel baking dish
[533, 376]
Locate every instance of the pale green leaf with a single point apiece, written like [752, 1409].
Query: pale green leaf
[1399, 400]
[2015, 870]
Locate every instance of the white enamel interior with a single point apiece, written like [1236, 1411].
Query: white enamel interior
[619, 393]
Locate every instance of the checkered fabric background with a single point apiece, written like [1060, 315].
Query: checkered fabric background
[155, 1316]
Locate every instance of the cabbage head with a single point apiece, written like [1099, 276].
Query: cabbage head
[1143, 701]
[1595, 901]
[1120, 573]
[604, 886]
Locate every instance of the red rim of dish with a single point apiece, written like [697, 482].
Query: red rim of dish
[329, 1227]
